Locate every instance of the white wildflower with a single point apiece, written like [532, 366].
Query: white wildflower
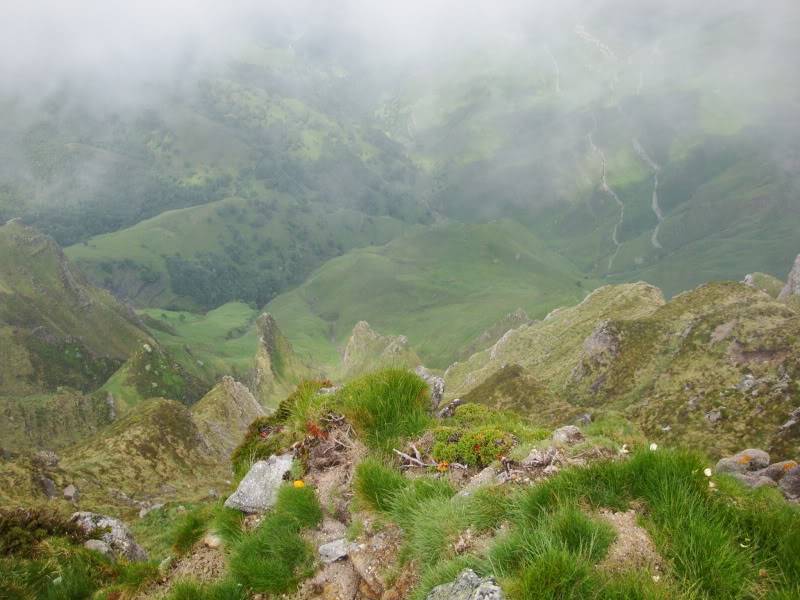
[653, 447]
[707, 472]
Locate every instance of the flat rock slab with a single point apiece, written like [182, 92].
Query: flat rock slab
[468, 586]
[112, 532]
[335, 550]
[258, 491]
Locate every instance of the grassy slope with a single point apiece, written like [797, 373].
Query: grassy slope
[219, 342]
[272, 233]
[653, 360]
[441, 287]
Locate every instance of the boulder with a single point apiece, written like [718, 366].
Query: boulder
[745, 461]
[777, 470]
[435, 386]
[45, 458]
[754, 480]
[790, 484]
[467, 586]
[487, 476]
[48, 486]
[258, 491]
[567, 435]
[335, 550]
[113, 532]
[71, 493]
[99, 546]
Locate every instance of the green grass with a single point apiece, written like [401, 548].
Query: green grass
[220, 342]
[441, 287]
[274, 558]
[189, 590]
[718, 542]
[385, 406]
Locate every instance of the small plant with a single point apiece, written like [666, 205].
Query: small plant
[190, 529]
[476, 447]
[377, 485]
[22, 529]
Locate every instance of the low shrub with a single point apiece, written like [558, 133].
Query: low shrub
[475, 447]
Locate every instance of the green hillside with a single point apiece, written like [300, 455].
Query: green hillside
[233, 249]
[56, 329]
[440, 287]
[712, 368]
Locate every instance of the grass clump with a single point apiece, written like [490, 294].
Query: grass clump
[21, 529]
[376, 484]
[190, 529]
[274, 558]
[386, 406]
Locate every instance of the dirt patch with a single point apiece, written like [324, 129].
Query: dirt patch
[633, 549]
[203, 564]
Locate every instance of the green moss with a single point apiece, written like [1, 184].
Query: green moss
[476, 447]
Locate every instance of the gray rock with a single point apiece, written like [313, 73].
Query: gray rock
[542, 457]
[777, 470]
[450, 409]
[467, 586]
[71, 493]
[335, 550]
[99, 546]
[790, 484]
[258, 491]
[111, 531]
[435, 386]
[212, 540]
[754, 480]
[792, 287]
[48, 486]
[584, 419]
[487, 476]
[714, 416]
[569, 434]
[745, 461]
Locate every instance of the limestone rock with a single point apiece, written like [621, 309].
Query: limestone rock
[745, 461]
[777, 470]
[112, 532]
[467, 586]
[99, 546]
[790, 484]
[487, 476]
[335, 550]
[792, 287]
[435, 386]
[542, 457]
[71, 493]
[567, 435]
[754, 480]
[258, 491]
[212, 540]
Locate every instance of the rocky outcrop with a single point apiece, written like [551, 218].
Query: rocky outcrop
[258, 491]
[792, 287]
[368, 350]
[112, 532]
[277, 368]
[224, 414]
[435, 386]
[467, 586]
[752, 468]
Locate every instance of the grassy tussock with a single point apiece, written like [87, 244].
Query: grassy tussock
[725, 544]
[386, 406]
[275, 558]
